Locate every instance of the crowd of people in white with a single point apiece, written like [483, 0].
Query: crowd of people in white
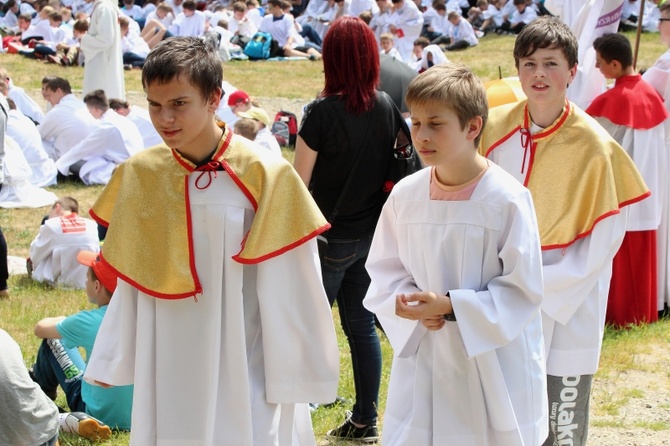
[88, 136]
[57, 27]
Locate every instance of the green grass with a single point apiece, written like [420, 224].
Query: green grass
[302, 79]
[623, 350]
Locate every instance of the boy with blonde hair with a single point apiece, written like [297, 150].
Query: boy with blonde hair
[464, 322]
[386, 44]
[246, 127]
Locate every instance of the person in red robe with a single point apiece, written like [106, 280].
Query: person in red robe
[633, 113]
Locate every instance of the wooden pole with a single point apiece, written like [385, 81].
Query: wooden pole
[637, 35]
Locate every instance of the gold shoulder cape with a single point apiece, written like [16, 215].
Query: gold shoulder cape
[577, 174]
[146, 208]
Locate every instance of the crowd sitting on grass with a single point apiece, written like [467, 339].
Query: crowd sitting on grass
[52, 31]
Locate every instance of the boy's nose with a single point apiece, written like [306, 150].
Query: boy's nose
[166, 115]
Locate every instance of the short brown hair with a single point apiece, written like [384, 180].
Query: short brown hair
[452, 85]
[68, 204]
[116, 104]
[187, 56]
[546, 32]
[97, 99]
[614, 46]
[246, 127]
[80, 25]
[59, 83]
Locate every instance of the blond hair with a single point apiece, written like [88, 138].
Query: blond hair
[454, 86]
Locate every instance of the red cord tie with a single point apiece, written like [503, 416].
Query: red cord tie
[209, 169]
[526, 142]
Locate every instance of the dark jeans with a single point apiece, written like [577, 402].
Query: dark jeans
[4, 269]
[430, 35]
[44, 50]
[346, 281]
[133, 59]
[56, 365]
[516, 29]
[458, 45]
[309, 33]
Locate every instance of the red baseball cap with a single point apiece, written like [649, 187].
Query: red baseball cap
[102, 271]
[238, 97]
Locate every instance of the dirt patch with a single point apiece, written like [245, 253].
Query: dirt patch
[642, 395]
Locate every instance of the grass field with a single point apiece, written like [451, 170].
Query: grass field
[625, 351]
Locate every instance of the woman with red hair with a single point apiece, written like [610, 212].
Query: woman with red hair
[342, 154]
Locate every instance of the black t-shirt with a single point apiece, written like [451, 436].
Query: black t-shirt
[336, 135]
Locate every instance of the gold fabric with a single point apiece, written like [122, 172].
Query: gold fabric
[145, 206]
[577, 174]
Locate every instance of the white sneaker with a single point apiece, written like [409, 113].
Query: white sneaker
[84, 425]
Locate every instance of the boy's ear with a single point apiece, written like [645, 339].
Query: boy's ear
[573, 73]
[97, 285]
[215, 99]
[474, 127]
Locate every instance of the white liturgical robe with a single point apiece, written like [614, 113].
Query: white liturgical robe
[479, 380]
[234, 365]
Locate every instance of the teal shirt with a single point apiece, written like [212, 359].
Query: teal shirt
[113, 405]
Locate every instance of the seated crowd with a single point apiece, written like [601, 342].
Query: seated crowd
[52, 30]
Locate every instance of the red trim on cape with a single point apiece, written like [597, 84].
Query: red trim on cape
[241, 185]
[552, 128]
[502, 140]
[190, 167]
[632, 102]
[182, 161]
[539, 135]
[97, 218]
[278, 252]
[146, 290]
[597, 220]
[189, 230]
[533, 146]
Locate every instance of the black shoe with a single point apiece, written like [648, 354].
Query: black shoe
[347, 431]
[338, 401]
[52, 394]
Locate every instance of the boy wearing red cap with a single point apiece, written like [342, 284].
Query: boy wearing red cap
[232, 104]
[60, 363]
[239, 101]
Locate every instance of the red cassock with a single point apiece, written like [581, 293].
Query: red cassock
[632, 111]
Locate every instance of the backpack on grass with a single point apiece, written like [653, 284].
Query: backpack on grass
[259, 46]
[285, 128]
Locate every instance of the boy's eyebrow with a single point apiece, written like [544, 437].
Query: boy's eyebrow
[427, 117]
[535, 56]
[169, 100]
